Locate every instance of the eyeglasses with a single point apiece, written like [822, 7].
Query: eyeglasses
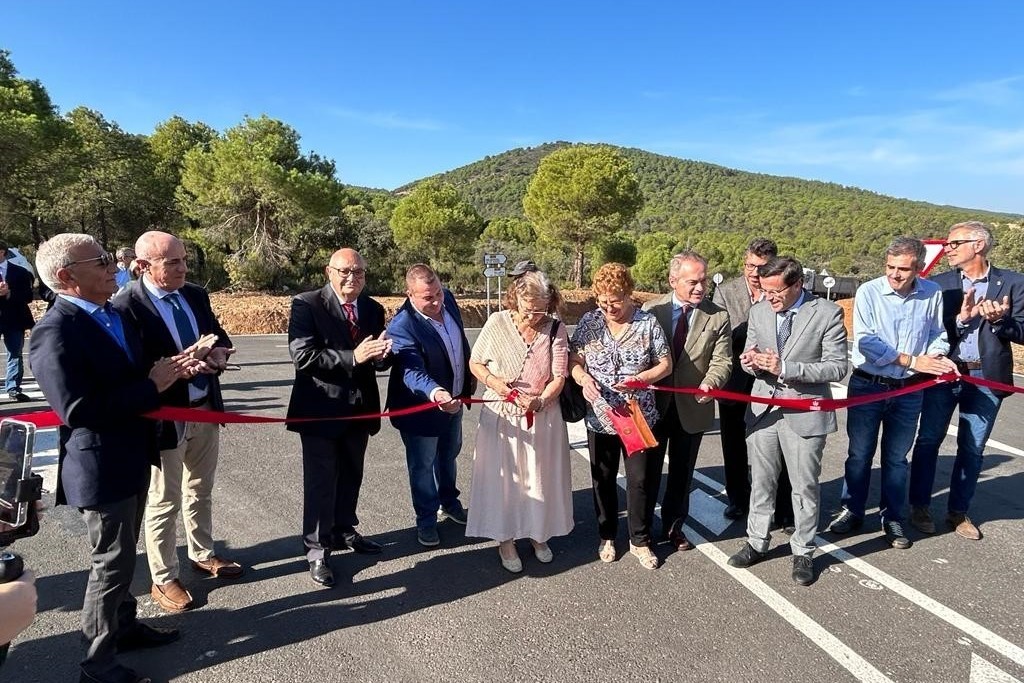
[105, 259]
[751, 266]
[955, 244]
[526, 313]
[776, 292]
[345, 272]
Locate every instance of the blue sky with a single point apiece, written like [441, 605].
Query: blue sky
[912, 99]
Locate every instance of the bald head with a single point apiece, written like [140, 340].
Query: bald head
[347, 274]
[161, 259]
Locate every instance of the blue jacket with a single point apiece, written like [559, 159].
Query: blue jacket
[106, 446]
[993, 340]
[421, 365]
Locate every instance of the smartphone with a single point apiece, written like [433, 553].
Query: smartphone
[17, 441]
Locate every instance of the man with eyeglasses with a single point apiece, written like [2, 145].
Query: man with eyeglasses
[795, 349]
[983, 312]
[701, 358]
[15, 320]
[337, 342]
[90, 364]
[171, 315]
[898, 340]
[737, 296]
[431, 365]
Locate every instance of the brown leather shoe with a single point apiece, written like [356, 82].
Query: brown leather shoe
[172, 596]
[963, 526]
[218, 567]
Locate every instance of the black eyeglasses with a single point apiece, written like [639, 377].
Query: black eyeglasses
[345, 272]
[105, 259]
[955, 244]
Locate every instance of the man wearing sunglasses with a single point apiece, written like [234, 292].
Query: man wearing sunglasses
[983, 312]
[90, 365]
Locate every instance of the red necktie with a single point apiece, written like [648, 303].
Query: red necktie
[679, 337]
[350, 313]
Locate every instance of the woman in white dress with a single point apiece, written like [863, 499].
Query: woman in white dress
[521, 477]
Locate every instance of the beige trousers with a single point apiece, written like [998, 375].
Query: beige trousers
[183, 482]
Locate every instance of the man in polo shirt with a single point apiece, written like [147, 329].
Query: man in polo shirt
[897, 337]
[983, 310]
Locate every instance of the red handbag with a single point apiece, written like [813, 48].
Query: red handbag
[631, 426]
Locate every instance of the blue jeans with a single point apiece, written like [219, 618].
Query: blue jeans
[14, 340]
[897, 420]
[978, 408]
[431, 463]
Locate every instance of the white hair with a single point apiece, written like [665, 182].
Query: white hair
[55, 253]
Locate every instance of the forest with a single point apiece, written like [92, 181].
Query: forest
[258, 212]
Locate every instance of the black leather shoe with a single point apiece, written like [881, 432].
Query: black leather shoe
[363, 545]
[679, 541]
[803, 570]
[19, 397]
[746, 557]
[321, 572]
[142, 636]
[845, 522]
[734, 511]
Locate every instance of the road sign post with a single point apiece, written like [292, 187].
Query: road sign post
[494, 268]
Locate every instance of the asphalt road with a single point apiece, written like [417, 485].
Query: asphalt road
[945, 610]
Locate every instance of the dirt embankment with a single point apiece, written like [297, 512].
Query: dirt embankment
[267, 314]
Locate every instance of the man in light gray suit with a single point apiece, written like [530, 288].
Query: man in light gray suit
[796, 346]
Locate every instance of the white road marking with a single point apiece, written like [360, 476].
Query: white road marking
[986, 672]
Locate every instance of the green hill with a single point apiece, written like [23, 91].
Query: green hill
[717, 209]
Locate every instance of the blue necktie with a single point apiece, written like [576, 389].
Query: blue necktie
[785, 329]
[111, 322]
[185, 333]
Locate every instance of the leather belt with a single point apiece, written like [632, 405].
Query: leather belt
[968, 365]
[199, 402]
[890, 382]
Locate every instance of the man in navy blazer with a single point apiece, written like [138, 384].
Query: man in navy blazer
[172, 315]
[89, 363]
[336, 340]
[15, 318]
[983, 312]
[431, 365]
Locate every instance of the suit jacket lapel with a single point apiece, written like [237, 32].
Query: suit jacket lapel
[336, 317]
[140, 294]
[698, 321]
[995, 284]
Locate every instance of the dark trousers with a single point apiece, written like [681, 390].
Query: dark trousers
[332, 472]
[643, 478]
[682, 448]
[109, 606]
[733, 428]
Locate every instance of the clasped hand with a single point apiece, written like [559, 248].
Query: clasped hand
[766, 361]
[990, 309]
[373, 349]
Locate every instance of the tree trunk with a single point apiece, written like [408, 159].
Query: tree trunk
[103, 227]
[577, 268]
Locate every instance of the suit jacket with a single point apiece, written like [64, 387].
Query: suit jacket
[15, 315]
[106, 446]
[815, 356]
[734, 297]
[421, 365]
[706, 359]
[328, 382]
[993, 340]
[134, 304]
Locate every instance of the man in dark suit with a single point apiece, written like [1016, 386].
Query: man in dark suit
[171, 315]
[336, 340]
[431, 365]
[983, 312]
[89, 363]
[737, 296]
[701, 358]
[15, 319]
[796, 347]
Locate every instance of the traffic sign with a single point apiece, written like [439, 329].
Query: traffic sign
[494, 272]
[829, 282]
[717, 278]
[494, 259]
